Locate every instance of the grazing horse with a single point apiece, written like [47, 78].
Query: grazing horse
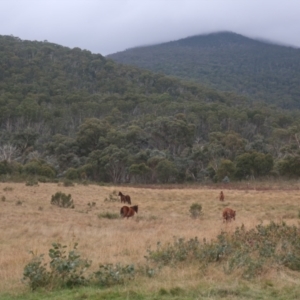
[228, 214]
[125, 198]
[222, 197]
[127, 212]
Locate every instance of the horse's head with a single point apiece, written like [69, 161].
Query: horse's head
[120, 194]
[135, 208]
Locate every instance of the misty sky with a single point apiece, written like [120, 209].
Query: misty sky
[109, 26]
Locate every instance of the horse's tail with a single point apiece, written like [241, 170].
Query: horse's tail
[128, 199]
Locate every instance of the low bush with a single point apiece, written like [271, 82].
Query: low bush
[109, 274]
[62, 200]
[195, 210]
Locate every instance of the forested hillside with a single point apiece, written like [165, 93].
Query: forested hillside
[226, 61]
[68, 112]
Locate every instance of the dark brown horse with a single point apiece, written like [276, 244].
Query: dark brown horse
[228, 214]
[222, 197]
[127, 212]
[125, 198]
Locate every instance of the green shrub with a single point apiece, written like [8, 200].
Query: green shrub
[195, 210]
[35, 273]
[171, 254]
[65, 269]
[110, 274]
[68, 270]
[62, 200]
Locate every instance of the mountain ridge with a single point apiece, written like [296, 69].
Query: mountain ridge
[226, 61]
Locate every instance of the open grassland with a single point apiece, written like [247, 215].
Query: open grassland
[29, 222]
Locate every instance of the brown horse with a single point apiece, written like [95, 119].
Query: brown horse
[222, 197]
[228, 214]
[125, 198]
[127, 212]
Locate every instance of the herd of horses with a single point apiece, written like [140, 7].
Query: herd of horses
[128, 211]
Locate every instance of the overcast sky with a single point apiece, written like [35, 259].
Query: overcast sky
[109, 26]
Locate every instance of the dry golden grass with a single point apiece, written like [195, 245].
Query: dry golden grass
[29, 222]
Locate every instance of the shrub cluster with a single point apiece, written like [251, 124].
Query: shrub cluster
[68, 270]
[62, 200]
[253, 251]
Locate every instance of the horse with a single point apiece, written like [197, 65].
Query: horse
[222, 197]
[125, 198]
[127, 212]
[228, 214]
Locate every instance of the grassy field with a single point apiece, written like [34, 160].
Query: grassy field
[28, 222]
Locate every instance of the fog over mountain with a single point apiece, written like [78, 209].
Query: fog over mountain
[109, 26]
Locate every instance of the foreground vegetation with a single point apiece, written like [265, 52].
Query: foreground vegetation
[164, 252]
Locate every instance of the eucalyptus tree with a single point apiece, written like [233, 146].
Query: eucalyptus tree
[91, 135]
[253, 164]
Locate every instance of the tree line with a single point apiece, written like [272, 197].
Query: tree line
[68, 112]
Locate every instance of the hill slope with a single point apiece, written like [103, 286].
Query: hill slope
[226, 61]
[68, 111]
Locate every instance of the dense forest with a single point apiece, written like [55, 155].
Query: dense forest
[226, 61]
[77, 115]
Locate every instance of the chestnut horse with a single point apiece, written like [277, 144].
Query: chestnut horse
[127, 212]
[222, 197]
[125, 198]
[228, 214]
